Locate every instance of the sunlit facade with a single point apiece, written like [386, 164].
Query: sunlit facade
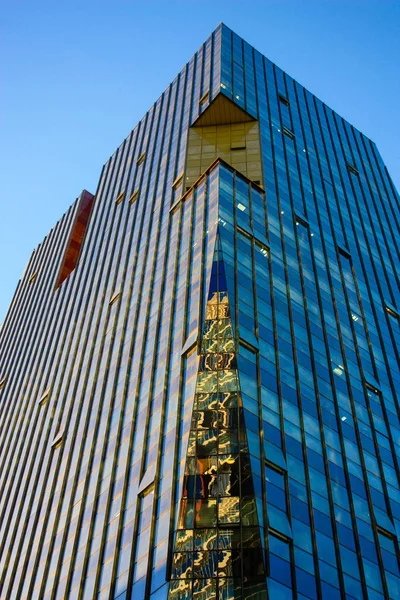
[199, 370]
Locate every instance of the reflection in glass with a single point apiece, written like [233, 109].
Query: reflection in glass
[220, 537]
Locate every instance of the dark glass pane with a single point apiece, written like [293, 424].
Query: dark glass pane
[205, 564]
[206, 513]
[182, 565]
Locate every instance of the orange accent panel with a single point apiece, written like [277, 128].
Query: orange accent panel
[76, 237]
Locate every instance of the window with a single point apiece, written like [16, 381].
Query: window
[371, 389]
[177, 189]
[204, 97]
[144, 520]
[114, 298]
[287, 132]
[33, 277]
[392, 313]
[284, 100]
[134, 196]
[276, 488]
[141, 158]
[44, 396]
[238, 145]
[178, 181]
[301, 221]
[58, 440]
[3, 381]
[120, 197]
[344, 252]
[352, 169]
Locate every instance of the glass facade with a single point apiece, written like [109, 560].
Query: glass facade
[199, 370]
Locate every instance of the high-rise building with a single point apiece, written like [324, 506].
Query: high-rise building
[199, 376]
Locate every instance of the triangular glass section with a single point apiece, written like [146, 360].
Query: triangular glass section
[218, 552]
[222, 110]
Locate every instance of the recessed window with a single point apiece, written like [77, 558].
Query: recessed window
[114, 298]
[392, 313]
[284, 100]
[244, 232]
[238, 145]
[344, 252]
[204, 97]
[276, 486]
[120, 197]
[352, 169]
[287, 132]
[44, 396]
[141, 158]
[178, 181]
[56, 443]
[371, 389]
[3, 381]
[300, 221]
[33, 277]
[134, 196]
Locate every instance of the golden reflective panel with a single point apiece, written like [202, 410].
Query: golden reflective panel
[184, 540]
[204, 589]
[206, 401]
[182, 565]
[230, 589]
[221, 328]
[205, 419]
[227, 381]
[207, 381]
[180, 590]
[228, 418]
[218, 513]
[217, 361]
[207, 442]
[228, 441]
[218, 345]
[206, 465]
[205, 564]
[205, 539]
[229, 510]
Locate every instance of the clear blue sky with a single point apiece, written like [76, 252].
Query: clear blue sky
[77, 76]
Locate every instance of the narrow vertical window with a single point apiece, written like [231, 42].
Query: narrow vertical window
[44, 396]
[141, 158]
[120, 197]
[134, 196]
[33, 277]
